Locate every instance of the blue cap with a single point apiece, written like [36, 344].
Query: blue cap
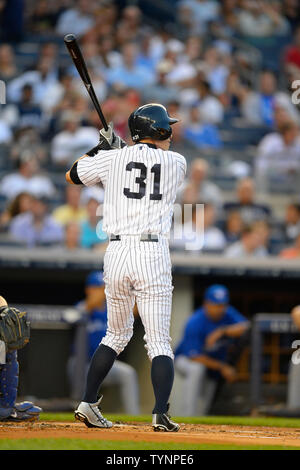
[95, 278]
[217, 294]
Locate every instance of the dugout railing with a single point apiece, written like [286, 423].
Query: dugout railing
[262, 324]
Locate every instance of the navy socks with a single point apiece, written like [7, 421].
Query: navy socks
[101, 363]
[162, 376]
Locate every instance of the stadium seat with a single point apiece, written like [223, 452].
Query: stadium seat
[5, 161]
[3, 203]
[270, 48]
[6, 240]
[225, 182]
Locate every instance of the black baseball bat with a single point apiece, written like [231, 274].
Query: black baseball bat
[79, 62]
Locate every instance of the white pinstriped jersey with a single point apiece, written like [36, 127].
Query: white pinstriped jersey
[140, 185]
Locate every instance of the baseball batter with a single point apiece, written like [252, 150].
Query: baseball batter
[140, 182]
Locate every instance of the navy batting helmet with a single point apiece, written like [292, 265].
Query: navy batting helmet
[150, 121]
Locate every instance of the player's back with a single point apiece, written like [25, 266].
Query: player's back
[141, 183]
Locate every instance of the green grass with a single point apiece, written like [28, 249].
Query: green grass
[93, 444]
[81, 444]
[234, 420]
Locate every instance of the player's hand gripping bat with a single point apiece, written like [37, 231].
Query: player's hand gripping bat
[75, 52]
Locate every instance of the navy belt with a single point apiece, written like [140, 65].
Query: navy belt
[145, 237]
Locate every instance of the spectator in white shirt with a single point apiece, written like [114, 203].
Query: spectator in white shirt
[41, 79]
[252, 244]
[197, 187]
[278, 157]
[27, 178]
[200, 233]
[77, 20]
[57, 91]
[211, 109]
[5, 133]
[183, 72]
[262, 19]
[73, 140]
[214, 238]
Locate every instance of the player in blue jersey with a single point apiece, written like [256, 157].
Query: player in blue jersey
[121, 374]
[209, 348]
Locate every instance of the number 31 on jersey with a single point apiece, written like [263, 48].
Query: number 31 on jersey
[140, 180]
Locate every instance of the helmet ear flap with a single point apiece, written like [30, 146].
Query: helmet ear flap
[162, 134]
[150, 121]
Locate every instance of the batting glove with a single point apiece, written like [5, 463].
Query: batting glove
[109, 140]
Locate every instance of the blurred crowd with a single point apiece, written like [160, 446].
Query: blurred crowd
[226, 69]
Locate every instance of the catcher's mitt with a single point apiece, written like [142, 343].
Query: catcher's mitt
[14, 328]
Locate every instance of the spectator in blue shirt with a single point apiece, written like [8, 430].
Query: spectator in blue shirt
[94, 308]
[36, 227]
[206, 351]
[258, 107]
[201, 134]
[130, 74]
[92, 234]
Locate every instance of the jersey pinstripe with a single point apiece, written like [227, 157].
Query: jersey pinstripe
[140, 185]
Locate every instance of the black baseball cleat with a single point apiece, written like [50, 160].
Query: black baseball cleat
[162, 422]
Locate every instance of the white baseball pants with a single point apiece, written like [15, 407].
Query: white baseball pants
[198, 389]
[138, 271]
